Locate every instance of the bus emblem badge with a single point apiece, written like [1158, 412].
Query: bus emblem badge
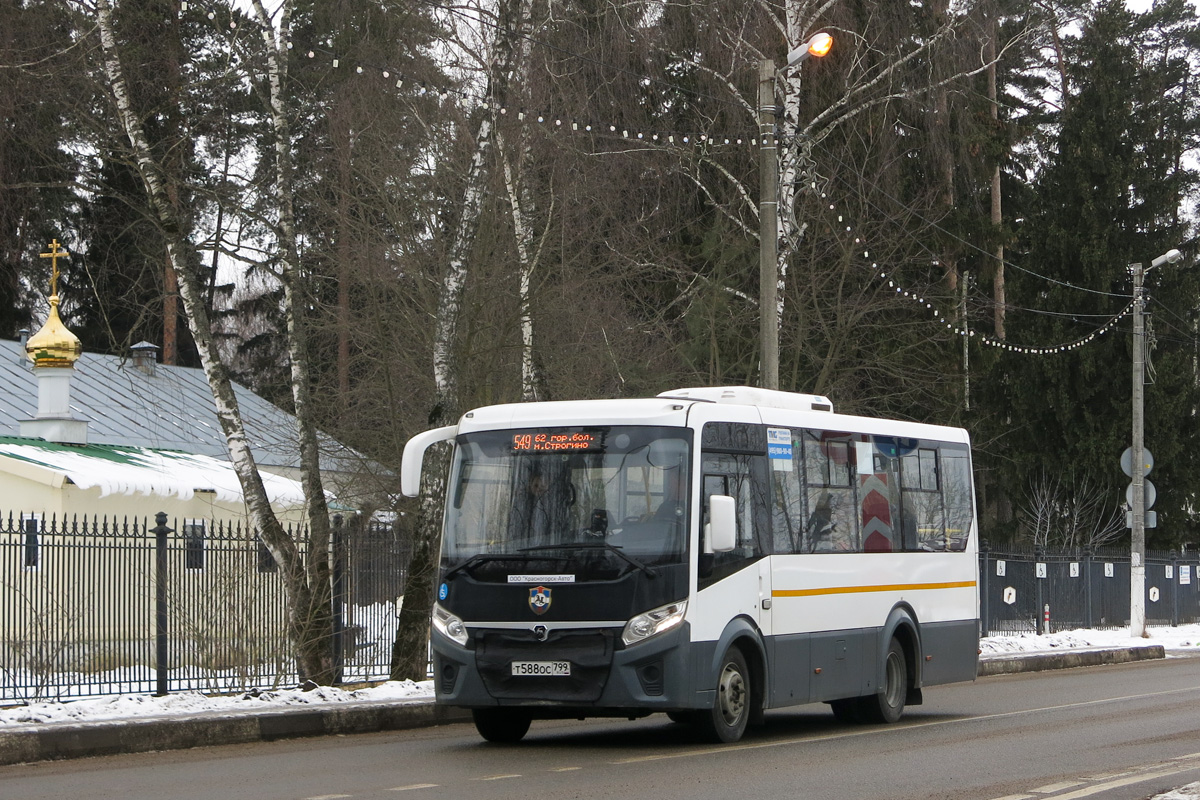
[539, 600]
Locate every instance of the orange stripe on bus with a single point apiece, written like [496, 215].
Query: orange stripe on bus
[898, 587]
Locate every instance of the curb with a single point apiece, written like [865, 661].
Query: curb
[1036, 662]
[80, 740]
[62, 740]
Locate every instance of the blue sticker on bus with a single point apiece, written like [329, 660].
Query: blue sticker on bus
[443, 591]
[779, 449]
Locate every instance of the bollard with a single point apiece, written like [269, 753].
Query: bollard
[1046, 619]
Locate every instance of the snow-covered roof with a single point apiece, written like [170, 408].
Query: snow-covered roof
[140, 470]
[172, 409]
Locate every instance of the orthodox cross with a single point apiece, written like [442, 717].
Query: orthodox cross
[54, 254]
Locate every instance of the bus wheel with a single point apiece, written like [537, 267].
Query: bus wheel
[726, 721]
[504, 725]
[888, 705]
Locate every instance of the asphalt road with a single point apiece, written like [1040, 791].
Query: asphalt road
[1116, 733]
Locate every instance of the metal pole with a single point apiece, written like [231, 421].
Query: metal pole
[1174, 588]
[1087, 589]
[985, 572]
[161, 616]
[1039, 625]
[339, 599]
[1137, 566]
[768, 228]
[966, 350]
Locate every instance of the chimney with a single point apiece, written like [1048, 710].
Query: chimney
[145, 357]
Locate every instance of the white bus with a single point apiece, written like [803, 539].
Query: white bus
[709, 553]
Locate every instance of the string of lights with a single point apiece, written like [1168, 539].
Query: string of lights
[881, 274]
[551, 119]
[559, 122]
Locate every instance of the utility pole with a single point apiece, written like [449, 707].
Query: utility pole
[1137, 566]
[1137, 498]
[966, 337]
[768, 229]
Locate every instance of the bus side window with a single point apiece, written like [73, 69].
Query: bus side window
[742, 477]
[956, 488]
[831, 519]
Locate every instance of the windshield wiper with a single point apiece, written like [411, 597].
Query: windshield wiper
[618, 552]
[483, 558]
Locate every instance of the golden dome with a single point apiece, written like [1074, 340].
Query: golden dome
[54, 345]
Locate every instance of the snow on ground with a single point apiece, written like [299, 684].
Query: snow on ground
[185, 703]
[1176, 641]
[1181, 639]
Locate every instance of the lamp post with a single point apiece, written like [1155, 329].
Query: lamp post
[768, 208]
[1137, 557]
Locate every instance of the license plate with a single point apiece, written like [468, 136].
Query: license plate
[554, 668]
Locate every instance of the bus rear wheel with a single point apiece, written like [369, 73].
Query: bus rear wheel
[726, 720]
[501, 725]
[888, 704]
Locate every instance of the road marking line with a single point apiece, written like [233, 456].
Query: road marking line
[497, 777]
[413, 786]
[329, 797]
[1132, 779]
[1015, 797]
[898, 729]
[568, 769]
[1051, 788]
[1107, 776]
[1180, 758]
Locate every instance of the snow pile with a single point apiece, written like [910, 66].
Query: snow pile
[1189, 792]
[185, 703]
[1181, 639]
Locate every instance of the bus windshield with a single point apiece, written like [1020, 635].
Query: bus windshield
[560, 499]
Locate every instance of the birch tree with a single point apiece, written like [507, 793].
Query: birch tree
[306, 580]
[410, 649]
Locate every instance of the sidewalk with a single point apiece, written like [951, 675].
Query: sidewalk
[174, 730]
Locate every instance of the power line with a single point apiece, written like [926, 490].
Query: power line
[953, 236]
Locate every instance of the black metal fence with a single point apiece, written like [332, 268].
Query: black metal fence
[1026, 590]
[103, 606]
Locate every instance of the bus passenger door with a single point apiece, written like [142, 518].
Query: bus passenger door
[743, 574]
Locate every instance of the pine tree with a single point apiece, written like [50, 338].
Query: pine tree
[1109, 195]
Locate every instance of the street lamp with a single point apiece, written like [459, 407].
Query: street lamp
[1137, 558]
[817, 46]
[768, 207]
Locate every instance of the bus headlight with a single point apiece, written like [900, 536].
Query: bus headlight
[653, 622]
[449, 625]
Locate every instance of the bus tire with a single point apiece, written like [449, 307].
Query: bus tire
[726, 721]
[888, 705]
[501, 725]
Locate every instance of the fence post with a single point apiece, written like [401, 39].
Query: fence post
[1087, 587]
[339, 598]
[160, 602]
[983, 599]
[1038, 556]
[1174, 588]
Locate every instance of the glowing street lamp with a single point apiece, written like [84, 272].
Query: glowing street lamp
[817, 46]
[768, 208]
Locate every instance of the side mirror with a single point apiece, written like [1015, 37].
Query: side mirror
[721, 531]
[414, 454]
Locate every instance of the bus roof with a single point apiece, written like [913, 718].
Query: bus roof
[674, 408]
